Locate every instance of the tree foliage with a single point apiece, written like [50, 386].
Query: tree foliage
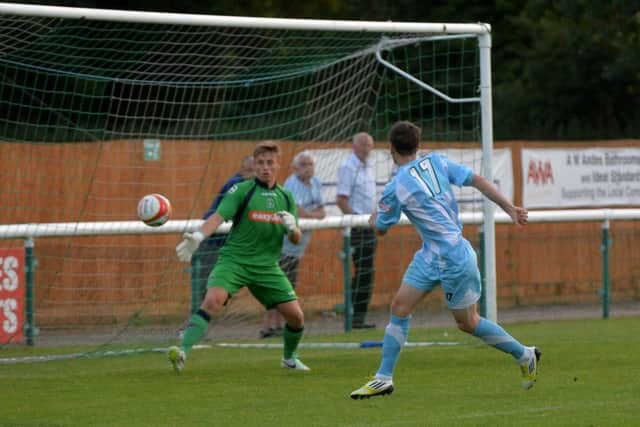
[575, 71]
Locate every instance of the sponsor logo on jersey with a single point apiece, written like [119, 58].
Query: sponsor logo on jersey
[265, 216]
[232, 189]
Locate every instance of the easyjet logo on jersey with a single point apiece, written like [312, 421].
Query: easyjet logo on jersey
[265, 216]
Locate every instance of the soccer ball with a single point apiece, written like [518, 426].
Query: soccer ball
[154, 209]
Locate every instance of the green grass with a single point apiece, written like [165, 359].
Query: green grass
[589, 376]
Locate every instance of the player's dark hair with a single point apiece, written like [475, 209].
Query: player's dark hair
[266, 147]
[405, 137]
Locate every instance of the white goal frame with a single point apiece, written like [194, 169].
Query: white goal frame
[481, 31]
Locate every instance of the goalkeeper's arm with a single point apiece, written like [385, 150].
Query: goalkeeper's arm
[191, 241]
[294, 236]
[211, 224]
[290, 224]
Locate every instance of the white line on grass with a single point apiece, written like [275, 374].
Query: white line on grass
[128, 352]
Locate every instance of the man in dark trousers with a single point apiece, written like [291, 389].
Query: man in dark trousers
[356, 194]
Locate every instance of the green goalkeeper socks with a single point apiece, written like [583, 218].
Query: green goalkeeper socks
[195, 330]
[292, 338]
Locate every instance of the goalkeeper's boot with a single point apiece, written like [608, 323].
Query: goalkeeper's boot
[530, 369]
[294, 363]
[375, 387]
[176, 357]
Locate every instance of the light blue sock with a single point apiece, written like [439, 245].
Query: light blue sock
[395, 335]
[493, 335]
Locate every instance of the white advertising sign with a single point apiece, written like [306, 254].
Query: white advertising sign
[553, 178]
[328, 161]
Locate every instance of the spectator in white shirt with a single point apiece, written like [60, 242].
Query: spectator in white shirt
[356, 194]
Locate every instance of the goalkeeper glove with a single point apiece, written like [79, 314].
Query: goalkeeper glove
[289, 221]
[188, 246]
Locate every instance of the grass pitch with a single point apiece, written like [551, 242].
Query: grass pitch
[589, 376]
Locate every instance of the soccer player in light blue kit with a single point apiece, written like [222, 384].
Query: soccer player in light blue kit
[422, 191]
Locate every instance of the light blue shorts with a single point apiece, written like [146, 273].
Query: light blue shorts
[460, 280]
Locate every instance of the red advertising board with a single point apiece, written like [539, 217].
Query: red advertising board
[12, 288]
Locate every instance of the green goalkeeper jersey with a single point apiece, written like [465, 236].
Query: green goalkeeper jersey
[257, 233]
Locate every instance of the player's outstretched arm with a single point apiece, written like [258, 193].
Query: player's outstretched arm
[518, 214]
[191, 241]
[211, 224]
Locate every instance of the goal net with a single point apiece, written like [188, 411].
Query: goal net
[102, 107]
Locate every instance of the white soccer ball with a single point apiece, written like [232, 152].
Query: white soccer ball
[154, 209]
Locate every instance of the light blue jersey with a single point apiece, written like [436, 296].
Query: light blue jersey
[310, 198]
[422, 190]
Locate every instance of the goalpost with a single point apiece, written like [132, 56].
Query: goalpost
[103, 106]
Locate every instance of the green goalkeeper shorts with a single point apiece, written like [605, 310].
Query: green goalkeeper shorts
[268, 284]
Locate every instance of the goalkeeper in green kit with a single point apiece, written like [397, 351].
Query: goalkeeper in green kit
[262, 212]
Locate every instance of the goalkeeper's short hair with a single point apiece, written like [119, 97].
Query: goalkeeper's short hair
[266, 147]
